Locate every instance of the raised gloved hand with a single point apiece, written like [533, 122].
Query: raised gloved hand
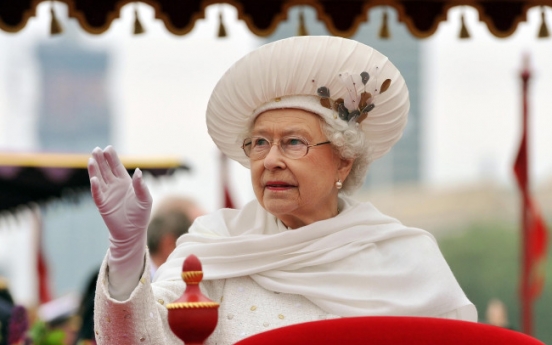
[125, 205]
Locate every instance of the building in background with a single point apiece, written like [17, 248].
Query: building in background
[74, 111]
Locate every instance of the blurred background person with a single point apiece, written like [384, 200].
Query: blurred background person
[496, 314]
[178, 203]
[85, 334]
[57, 321]
[6, 306]
[163, 231]
[171, 218]
[14, 322]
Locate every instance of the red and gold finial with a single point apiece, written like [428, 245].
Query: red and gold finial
[193, 317]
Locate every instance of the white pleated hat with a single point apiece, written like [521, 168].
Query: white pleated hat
[339, 79]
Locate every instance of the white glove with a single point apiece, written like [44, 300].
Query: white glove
[125, 206]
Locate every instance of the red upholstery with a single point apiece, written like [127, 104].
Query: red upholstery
[390, 330]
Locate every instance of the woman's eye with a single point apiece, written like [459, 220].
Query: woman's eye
[294, 142]
[260, 142]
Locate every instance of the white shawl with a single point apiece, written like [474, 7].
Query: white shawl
[360, 262]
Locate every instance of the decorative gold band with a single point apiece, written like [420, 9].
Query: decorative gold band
[192, 277]
[190, 305]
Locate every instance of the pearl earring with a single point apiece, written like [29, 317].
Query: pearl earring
[338, 184]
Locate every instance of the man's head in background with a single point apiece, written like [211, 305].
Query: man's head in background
[163, 231]
[175, 203]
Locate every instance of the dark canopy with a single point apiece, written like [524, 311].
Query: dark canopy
[341, 17]
[40, 177]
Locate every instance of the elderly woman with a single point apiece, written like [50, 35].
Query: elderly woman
[307, 115]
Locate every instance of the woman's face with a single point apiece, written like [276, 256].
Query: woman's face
[297, 191]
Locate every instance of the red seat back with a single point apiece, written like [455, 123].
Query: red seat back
[390, 330]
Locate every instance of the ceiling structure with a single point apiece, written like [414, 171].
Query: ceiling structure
[341, 17]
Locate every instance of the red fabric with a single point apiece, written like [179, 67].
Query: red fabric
[534, 233]
[390, 330]
[43, 285]
[228, 203]
[44, 294]
[536, 244]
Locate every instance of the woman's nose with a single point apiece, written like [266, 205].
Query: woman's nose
[274, 159]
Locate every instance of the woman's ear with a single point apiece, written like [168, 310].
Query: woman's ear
[345, 166]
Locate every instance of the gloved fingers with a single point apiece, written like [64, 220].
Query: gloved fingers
[140, 188]
[104, 168]
[96, 191]
[117, 168]
[94, 172]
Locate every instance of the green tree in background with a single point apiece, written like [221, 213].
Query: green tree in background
[485, 258]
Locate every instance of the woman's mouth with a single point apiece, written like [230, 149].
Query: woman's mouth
[278, 185]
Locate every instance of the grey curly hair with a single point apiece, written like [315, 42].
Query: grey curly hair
[350, 143]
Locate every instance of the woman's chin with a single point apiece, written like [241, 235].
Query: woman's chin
[279, 207]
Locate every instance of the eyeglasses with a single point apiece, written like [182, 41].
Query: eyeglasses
[291, 147]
